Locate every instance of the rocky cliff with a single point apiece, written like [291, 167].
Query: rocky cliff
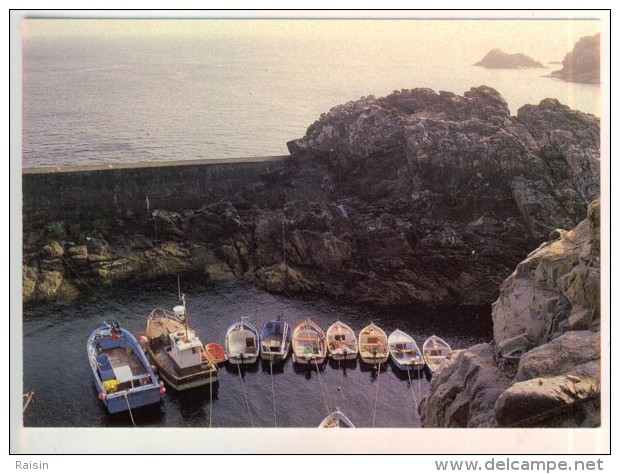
[583, 63]
[497, 59]
[543, 366]
[417, 197]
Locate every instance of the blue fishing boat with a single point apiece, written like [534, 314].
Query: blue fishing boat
[275, 340]
[123, 376]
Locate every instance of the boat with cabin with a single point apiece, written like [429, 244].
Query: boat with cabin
[176, 351]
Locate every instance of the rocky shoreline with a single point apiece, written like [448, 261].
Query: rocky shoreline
[414, 198]
[418, 197]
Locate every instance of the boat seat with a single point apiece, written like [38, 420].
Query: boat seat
[105, 367]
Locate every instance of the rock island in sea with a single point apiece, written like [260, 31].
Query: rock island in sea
[497, 59]
[418, 197]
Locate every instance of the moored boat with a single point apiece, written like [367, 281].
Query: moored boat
[123, 376]
[176, 351]
[242, 343]
[309, 343]
[341, 342]
[336, 419]
[275, 340]
[435, 351]
[373, 345]
[404, 351]
[215, 353]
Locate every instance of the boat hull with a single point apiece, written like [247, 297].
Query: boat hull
[375, 360]
[117, 402]
[309, 344]
[187, 384]
[341, 342]
[159, 326]
[275, 341]
[308, 360]
[238, 360]
[411, 366]
[373, 345]
[238, 350]
[166, 371]
[121, 372]
[273, 356]
[435, 351]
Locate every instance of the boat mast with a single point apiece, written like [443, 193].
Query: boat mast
[182, 298]
[185, 319]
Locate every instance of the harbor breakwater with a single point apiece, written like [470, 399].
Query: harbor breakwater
[137, 189]
[415, 198]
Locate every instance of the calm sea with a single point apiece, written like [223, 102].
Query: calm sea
[105, 100]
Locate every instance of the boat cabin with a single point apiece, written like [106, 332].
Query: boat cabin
[185, 350]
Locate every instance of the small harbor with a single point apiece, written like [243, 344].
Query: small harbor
[261, 394]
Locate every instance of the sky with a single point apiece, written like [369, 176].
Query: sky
[542, 39]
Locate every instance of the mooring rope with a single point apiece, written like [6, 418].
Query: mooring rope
[247, 403]
[129, 407]
[95, 292]
[419, 386]
[210, 401]
[374, 416]
[415, 401]
[31, 397]
[273, 394]
[318, 374]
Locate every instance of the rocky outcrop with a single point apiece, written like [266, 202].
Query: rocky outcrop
[583, 63]
[497, 59]
[417, 197]
[543, 366]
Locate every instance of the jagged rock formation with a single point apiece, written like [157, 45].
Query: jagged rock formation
[497, 59]
[417, 197]
[583, 63]
[549, 310]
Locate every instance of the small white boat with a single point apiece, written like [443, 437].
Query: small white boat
[341, 342]
[242, 343]
[337, 419]
[435, 352]
[309, 343]
[405, 352]
[373, 345]
[275, 340]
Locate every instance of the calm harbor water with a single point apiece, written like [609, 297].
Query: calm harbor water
[56, 367]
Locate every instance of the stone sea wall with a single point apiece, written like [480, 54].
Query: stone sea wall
[121, 191]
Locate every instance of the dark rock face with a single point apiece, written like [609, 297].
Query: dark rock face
[417, 197]
[549, 310]
[583, 63]
[497, 59]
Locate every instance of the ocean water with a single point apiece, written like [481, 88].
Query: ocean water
[108, 99]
